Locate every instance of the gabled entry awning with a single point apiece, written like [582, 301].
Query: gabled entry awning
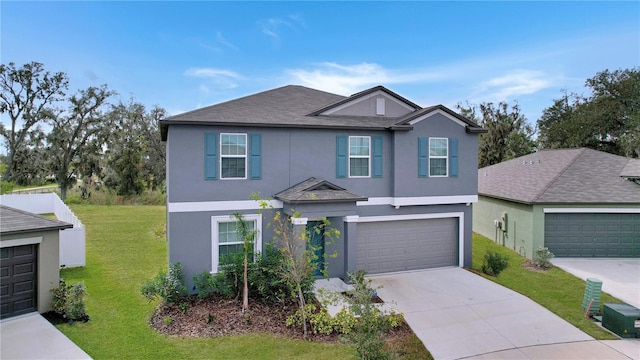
[315, 190]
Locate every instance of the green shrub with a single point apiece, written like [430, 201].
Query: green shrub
[68, 300]
[206, 283]
[494, 263]
[167, 285]
[542, 256]
[6, 187]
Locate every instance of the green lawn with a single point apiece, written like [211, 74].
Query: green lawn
[555, 289]
[125, 247]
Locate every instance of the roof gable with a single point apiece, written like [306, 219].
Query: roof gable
[420, 115]
[365, 103]
[560, 176]
[14, 221]
[315, 190]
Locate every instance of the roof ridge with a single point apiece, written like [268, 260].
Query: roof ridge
[555, 178]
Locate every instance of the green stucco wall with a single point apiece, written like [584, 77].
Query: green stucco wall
[520, 223]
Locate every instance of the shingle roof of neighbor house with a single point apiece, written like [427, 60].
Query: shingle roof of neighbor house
[299, 106]
[315, 190]
[14, 221]
[560, 176]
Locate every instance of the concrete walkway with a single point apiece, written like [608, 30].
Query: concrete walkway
[32, 337]
[460, 315]
[620, 277]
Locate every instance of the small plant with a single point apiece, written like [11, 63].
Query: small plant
[167, 285]
[494, 263]
[68, 300]
[542, 257]
[167, 320]
[184, 306]
[210, 319]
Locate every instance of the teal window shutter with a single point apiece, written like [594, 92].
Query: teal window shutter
[210, 156]
[423, 157]
[341, 156]
[255, 160]
[453, 157]
[376, 166]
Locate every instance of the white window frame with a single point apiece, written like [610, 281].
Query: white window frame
[215, 236]
[368, 157]
[446, 157]
[246, 162]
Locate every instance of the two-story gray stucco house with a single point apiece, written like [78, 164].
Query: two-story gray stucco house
[397, 180]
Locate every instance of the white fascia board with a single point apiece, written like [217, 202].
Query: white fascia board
[351, 218]
[459, 215]
[420, 200]
[20, 242]
[591, 210]
[198, 206]
[447, 115]
[367, 97]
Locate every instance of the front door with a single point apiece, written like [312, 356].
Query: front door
[316, 240]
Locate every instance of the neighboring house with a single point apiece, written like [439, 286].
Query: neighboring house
[576, 202]
[29, 261]
[395, 179]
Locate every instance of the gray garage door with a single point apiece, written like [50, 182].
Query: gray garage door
[17, 280]
[389, 246]
[593, 235]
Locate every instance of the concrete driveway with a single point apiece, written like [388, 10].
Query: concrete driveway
[32, 337]
[458, 314]
[620, 277]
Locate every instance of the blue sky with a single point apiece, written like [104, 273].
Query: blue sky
[185, 55]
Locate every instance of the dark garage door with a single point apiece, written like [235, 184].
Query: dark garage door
[592, 235]
[389, 246]
[17, 280]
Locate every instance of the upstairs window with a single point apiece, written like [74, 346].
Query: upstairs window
[233, 156]
[438, 155]
[359, 156]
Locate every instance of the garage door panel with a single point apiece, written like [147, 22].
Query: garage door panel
[593, 235]
[407, 245]
[18, 285]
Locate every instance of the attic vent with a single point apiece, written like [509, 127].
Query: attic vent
[323, 187]
[380, 106]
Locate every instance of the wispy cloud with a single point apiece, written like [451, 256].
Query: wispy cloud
[223, 41]
[221, 78]
[515, 83]
[273, 27]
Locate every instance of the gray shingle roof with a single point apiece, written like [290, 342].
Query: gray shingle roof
[560, 176]
[632, 169]
[292, 106]
[315, 190]
[14, 221]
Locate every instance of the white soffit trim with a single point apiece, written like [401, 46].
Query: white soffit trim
[447, 115]
[419, 200]
[20, 242]
[459, 215]
[197, 206]
[591, 210]
[367, 97]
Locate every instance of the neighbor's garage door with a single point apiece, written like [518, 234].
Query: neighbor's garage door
[389, 246]
[17, 280]
[592, 235]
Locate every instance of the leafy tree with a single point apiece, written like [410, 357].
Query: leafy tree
[27, 95]
[135, 154]
[75, 133]
[509, 135]
[606, 120]
[30, 159]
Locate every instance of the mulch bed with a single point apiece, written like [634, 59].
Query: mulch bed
[219, 316]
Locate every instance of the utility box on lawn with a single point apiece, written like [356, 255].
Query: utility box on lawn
[622, 319]
[591, 299]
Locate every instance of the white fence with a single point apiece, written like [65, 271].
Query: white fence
[72, 241]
